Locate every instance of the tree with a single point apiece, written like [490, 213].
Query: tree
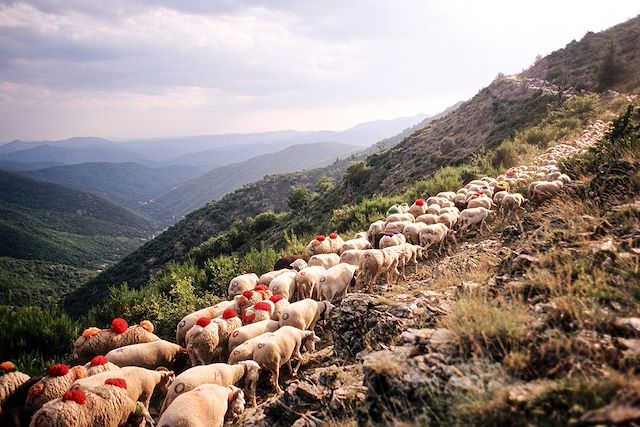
[300, 199]
[610, 68]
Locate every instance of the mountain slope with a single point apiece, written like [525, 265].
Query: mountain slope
[60, 233]
[213, 185]
[128, 184]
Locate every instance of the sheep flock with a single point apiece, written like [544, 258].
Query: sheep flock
[210, 373]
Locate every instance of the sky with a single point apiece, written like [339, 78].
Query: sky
[153, 68]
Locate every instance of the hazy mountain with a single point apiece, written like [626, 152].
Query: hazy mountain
[101, 152]
[220, 181]
[128, 184]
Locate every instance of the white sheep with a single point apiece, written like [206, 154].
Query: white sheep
[546, 190]
[246, 332]
[428, 218]
[360, 243]
[217, 373]
[335, 281]
[435, 234]
[448, 218]
[392, 239]
[482, 201]
[375, 262]
[352, 256]
[449, 195]
[418, 208]
[279, 304]
[141, 382]
[285, 284]
[53, 385]
[298, 264]
[101, 364]
[245, 350]
[305, 314]
[473, 216]
[409, 253]
[208, 338]
[190, 319]
[266, 278]
[511, 203]
[278, 349]
[207, 405]
[400, 217]
[375, 228]
[150, 355]
[106, 405]
[242, 283]
[324, 260]
[95, 341]
[10, 381]
[307, 279]
[396, 226]
[261, 311]
[411, 232]
[432, 210]
[325, 244]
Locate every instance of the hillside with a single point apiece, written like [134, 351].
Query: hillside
[220, 181]
[127, 184]
[66, 231]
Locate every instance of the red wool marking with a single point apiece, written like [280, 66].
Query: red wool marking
[118, 382]
[420, 202]
[229, 314]
[7, 366]
[247, 294]
[262, 306]
[76, 396]
[119, 325]
[99, 361]
[274, 299]
[333, 236]
[261, 288]
[246, 319]
[203, 321]
[320, 238]
[58, 370]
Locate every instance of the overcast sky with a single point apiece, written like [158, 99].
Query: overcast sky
[145, 68]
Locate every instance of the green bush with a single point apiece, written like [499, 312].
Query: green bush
[220, 271]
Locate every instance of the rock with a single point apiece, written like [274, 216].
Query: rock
[632, 344]
[523, 261]
[470, 288]
[628, 324]
[625, 411]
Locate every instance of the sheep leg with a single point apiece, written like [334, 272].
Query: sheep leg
[275, 377]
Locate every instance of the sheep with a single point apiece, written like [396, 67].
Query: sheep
[261, 311]
[375, 262]
[481, 201]
[221, 374]
[242, 283]
[428, 218]
[207, 405]
[392, 239]
[106, 405]
[279, 303]
[546, 190]
[279, 349]
[266, 278]
[409, 253]
[435, 234]
[335, 281]
[307, 279]
[400, 217]
[449, 219]
[396, 226]
[361, 243]
[305, 314]
[376, 227]
[325, 245]
[151, 355]
[100, 364]
[411, 232]
[246, 332]
[189, 320]
[141, 382]
[449, 195]
[94, 341]
[285, 262]
[12, 409]
[497, 198]
[360, 235]
[352, 256]
[324, 260]
[473, 216]
[208, 338]
[53, 385]
[398, 208]
[299, 264]
[254, 296]
[511, 203]
[10, 381]
[245, 350]
[285, 284]
[451, 209]
[418, 208]
[433, 209]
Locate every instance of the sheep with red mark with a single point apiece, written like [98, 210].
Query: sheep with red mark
[418, 208]
[279, 303]
[10, 381]
[474, 216]
[352, 256]
[279, 349]
[141, 382]
[190, 319]
[375, 262]
[361, 244]
[208, 405]
[151, 355]
[307, 279]
[479, 200]
[246, 332]
[101, 364]
[325, 245]
[436, 234]
[393, 239]
[258, 312]
[53, 385]
[324, 260]
[94, 341]
[335, 281]
[221, 374]
[284, 285]
[244, 282]
[208, 338]
[106, 405]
